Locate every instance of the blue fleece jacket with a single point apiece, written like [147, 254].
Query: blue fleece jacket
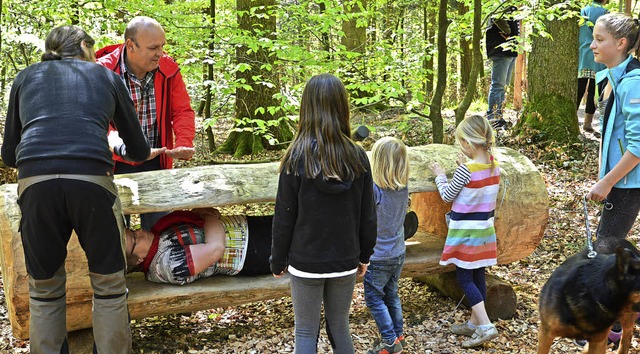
[622, 129]
[589, 16]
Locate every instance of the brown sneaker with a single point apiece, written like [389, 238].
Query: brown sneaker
[462, 329]
[480, 337]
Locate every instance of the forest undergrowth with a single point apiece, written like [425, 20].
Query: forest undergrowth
[267, 326]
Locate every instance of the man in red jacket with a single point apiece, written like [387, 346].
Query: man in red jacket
[159, 95]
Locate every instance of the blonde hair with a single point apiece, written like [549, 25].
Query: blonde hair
[390, 163]
[621, 25]
[477, 131]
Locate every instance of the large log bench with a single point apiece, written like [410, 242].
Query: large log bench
[521, 219]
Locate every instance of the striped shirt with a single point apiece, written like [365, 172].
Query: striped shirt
[144, 100]
[173, 263]
[471, 240]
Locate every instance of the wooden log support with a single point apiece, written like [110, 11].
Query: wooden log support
[520, 222]
[501, 298]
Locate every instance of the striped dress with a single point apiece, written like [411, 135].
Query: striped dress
[471, 240]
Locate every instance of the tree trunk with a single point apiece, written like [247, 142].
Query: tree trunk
[355, 40]
[435, 114]
[256, 18]
[551, 109]
[520, 222]
[429, 19]
[476, 61]
[466, 51]
[501, 298]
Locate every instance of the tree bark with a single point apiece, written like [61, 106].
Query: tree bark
[501, 298]
[429, 40]
[551, 109]
[520, 221]
[355, 40]
[255, 18]
[476, 60]
[435, 114]
[209, 76]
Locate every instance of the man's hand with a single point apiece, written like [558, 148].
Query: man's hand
[181, 152]
[155, 152]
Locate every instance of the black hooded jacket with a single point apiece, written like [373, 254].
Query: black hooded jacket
[323, 226]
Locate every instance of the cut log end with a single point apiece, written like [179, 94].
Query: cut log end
[501, 298]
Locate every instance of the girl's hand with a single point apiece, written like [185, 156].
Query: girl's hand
[362, 268]
[437, 169]
[279, 275]
[599, 191]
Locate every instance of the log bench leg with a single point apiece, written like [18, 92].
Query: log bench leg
[501, 298]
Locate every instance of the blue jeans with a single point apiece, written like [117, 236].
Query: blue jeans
[381, 296]
[308, 295]
[618, 221]
[501, 72]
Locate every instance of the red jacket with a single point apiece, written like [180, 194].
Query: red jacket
[173, 107]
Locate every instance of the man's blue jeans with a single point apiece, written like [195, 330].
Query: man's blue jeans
[501, 72]
[381, 296]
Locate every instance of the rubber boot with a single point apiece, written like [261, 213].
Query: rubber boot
[588, 118]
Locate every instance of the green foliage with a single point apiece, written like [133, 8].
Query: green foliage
[389, 70]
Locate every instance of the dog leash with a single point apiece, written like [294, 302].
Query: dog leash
[607, 205]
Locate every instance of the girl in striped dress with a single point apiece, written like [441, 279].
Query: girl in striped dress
[471, 240]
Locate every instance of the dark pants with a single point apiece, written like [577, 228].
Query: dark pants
[51, 210]
[472, 282]
[149, 219]
[618, 221]
[590, 86]
[259, 247]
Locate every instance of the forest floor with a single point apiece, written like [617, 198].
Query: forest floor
[267, 326]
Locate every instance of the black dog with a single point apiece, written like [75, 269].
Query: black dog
[585, 296]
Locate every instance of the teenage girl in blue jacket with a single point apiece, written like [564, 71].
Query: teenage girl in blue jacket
[615, 36]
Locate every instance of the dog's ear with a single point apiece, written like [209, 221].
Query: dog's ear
[622, 261]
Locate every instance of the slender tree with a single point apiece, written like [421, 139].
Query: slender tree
[209, 77]
[435, 114]
[476, 63]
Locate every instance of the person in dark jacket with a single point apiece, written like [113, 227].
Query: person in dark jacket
[159, 95]
[324, 226]
[56, 135]
[502, 31]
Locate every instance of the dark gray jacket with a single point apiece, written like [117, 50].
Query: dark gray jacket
[58, 118]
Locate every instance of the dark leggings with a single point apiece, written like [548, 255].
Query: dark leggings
[472, 283]
[590, 86]
[259, 247]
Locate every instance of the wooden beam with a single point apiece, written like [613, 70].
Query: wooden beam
[522, 217]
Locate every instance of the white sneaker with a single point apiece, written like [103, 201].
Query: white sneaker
[462, 329]
[480, 337]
